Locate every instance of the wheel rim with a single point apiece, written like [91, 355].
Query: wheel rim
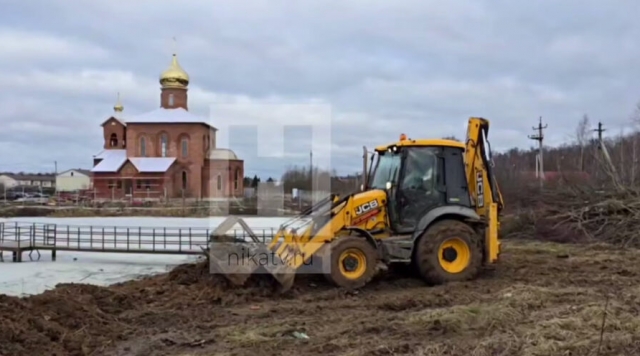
[352, 263]
[454, 255]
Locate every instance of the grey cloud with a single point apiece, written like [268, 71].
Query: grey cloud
[385, 68]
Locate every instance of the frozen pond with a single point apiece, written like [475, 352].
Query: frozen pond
[33, 277]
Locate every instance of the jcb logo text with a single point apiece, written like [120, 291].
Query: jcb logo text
[366, 207]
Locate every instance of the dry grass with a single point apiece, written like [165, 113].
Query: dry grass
[532, 314]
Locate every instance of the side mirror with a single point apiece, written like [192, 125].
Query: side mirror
[388, 186]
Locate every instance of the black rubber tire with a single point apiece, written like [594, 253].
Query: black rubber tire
[426, 256]
[337, 248]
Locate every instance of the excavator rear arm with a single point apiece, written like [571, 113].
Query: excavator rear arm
[483, 186]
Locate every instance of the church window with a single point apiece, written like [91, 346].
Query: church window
[185, 148]
[113, 141]
[164, 142]
[219, 182]
[184, 180]
[171, 100]
[143, 147]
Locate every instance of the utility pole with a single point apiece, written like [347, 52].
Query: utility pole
[311, 174]
[365, 156]
[599, 130]
[605, 154]
[539, 161]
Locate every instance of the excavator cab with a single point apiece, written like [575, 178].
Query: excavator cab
[419, 176]
[431, 203]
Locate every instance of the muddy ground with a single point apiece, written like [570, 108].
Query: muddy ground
[544, 299]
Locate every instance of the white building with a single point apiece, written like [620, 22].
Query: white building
[8, 181]
[73, 180]
[11, 180]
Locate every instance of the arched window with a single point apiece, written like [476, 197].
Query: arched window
[143, 147]
[236, 179]
[219, 182]
[184, 180]
[185, 147]
[164, 145]
[113, 141]
[171, 100]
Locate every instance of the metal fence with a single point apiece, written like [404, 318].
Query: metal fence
[22, 236]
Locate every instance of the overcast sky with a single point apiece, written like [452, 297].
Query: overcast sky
[370, 69]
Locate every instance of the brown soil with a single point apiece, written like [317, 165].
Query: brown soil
[543, 299]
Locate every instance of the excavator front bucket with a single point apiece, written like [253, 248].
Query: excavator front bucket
[237, 259]
[298, 241]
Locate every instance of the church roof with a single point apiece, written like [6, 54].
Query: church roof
[112, 161]
[162, 116]
[152, 164]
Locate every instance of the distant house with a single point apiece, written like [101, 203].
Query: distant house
[40, 180]
[73, 180]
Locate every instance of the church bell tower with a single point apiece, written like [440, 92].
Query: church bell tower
[174, 82]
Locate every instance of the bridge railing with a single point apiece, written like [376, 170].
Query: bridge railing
[116, 238]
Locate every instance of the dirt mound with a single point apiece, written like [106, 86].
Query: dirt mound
[543, 299]
[71, 319]
[74, 319]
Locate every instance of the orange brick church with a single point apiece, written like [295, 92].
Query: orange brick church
[165, 153]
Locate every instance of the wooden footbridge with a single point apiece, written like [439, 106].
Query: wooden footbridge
[19, 238]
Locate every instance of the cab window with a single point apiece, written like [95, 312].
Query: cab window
[420, 170]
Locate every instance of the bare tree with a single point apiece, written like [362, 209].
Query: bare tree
[582, 136]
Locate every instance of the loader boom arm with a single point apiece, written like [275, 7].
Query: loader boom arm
[483, 186]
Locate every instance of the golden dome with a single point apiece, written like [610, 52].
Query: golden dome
[174, 76]
[118, 106]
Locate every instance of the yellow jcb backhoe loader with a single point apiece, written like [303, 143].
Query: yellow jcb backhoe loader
[430, 203]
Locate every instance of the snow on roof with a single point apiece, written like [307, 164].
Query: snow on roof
[162, 115]
[152, 164]
[117, 117]
[111, 163]
[111, 153]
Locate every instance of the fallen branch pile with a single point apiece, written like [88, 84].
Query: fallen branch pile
[579, 213]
